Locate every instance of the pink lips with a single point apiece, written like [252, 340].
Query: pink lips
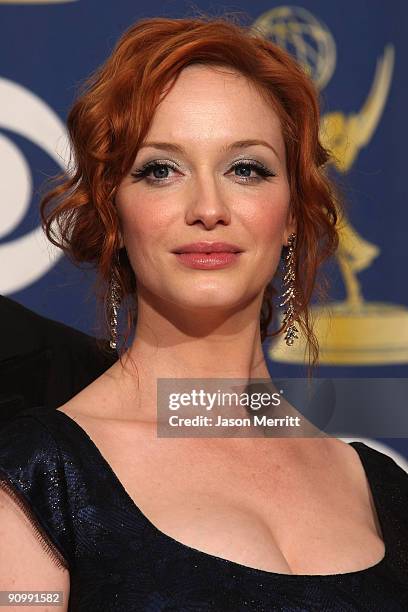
[207, 261]
[208, 255]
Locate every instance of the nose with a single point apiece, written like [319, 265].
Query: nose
[208, 205]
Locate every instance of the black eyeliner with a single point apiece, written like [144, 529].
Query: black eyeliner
[142, 172]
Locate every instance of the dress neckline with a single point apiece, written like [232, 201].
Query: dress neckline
[360, 447]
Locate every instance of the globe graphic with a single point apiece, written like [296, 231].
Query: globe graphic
[297, 31]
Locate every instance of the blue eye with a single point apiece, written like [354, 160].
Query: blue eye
[262, 170]
[160, 171]
[152, 166]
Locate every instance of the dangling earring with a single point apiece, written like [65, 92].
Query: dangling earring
[289, 281]
[114, 303]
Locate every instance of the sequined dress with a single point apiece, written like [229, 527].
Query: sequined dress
[119, 561]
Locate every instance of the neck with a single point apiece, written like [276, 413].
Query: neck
[199, 345]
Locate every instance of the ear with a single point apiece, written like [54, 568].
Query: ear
[119, 227]
[291, 226]
[120, 235]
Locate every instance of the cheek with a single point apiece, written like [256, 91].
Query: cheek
[266, 218]
[143, 224]
[266, 223]
[144, 227]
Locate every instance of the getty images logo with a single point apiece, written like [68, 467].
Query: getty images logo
[26, 258]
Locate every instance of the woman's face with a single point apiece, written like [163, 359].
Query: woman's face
[208, 189]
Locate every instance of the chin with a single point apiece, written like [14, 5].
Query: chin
[204, 300]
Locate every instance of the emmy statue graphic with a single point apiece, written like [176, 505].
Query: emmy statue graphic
[354, 331]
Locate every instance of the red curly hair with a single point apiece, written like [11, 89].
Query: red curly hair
[111, 117]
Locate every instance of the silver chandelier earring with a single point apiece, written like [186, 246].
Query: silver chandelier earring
[114, 304]
[289, 295]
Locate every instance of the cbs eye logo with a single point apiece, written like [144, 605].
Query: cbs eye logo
[24, 256]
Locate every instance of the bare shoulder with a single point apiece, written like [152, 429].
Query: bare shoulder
[345, 456]
[100, 400]
[343, 449]
[336, 458]
[107, 411]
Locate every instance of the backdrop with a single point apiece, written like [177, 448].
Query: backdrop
[356, 52]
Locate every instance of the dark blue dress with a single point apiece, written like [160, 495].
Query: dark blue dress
[118, 560]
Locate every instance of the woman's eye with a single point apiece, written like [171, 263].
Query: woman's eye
[158, 172]
[245, 169]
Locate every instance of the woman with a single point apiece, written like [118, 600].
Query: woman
[196, 131]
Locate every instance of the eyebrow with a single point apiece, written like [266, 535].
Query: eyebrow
[240, 144]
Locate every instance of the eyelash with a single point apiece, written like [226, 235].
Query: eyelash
[142, 173]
